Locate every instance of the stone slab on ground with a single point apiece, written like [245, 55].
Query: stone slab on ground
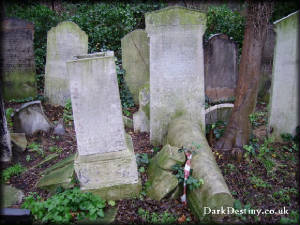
[284, 101]
[135, 60]
[10, 196]
[30, 118]
[19, 141]
[176, 68]
[64, 41]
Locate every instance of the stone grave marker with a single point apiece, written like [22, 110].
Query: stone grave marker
[284, 101]
[18, 66]
[63, 42]
[221, 68]
[176, 68]
[135, 61]
[105, 163]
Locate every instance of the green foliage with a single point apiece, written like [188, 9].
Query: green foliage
[286, 137]
[221, 19]
[191, 182]
[67, 206]
[68, 114]
[218, 128]
[14, 170]
[283, 195]
[35, 147]
[142, 159]
[55, 149]
[28, 158]
[293, 218]
[8, 114]
[258, 182]
[258, 118]
[155, 218]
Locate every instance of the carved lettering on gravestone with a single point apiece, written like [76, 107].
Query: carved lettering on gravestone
[18, 65]
[221, 68]
[63, 42]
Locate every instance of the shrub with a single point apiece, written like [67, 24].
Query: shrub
[12, 171]
[67, 206]
[221, 19]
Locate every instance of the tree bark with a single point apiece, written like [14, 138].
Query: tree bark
[238, 129]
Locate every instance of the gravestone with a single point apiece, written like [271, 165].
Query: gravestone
[221, 68]
[176, 68]
[135, 61]
[63, 42]
[284, 108]
[220, 112]
[5, 145]
[105, 163]
[18, 64]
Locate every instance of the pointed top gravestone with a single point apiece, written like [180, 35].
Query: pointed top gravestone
[63, 42]
[176, 68]
[284, 108]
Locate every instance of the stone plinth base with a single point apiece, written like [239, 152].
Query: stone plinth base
[111, 175]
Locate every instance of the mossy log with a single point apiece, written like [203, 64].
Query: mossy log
[214, 192]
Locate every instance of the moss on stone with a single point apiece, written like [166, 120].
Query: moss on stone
[175, 15]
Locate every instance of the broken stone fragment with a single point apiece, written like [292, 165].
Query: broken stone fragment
[128, 123]
[168, 157]
[60, 174]
[162, 182]
[30, 118]
[10, 196]
[19, 141]
[59, 128]
[141, 119]
[218, 112]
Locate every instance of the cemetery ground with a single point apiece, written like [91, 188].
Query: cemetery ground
[261, 177]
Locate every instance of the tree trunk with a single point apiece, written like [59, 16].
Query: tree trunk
[238, 129]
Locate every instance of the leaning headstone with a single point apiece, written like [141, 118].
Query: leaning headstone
[284, 99]
[30, 118]
[218, 112]
[106, 163]
[221, 68]
[176, 68]
[19, 141]
[135, 61]
[63, 42]
[18, 64]
[5, 145]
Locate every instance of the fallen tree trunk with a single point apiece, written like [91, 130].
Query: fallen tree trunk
[214, 192]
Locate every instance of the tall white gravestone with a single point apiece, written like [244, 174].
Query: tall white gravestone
[105, 163]
[284, 100]
[176, 68]
[63, 42]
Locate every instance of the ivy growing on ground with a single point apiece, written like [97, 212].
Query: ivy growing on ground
[68, 206]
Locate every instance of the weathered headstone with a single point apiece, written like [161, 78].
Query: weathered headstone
[18, 66]
[106, 162]
[176, 68]
[135, 60]
[284, 108]
[30, 118]
[221, 68]
[63, 42]
[5, 145]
